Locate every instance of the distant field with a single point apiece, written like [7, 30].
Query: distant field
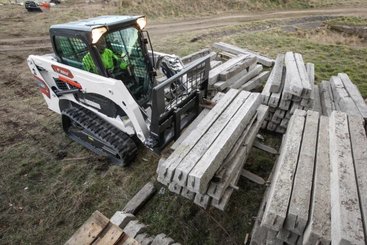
[192, 8]
[187, 8]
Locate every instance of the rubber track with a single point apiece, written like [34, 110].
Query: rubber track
[111, 136]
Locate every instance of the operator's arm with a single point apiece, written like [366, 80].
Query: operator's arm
[121, 60]
[88, 63]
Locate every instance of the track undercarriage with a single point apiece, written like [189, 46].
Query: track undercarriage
[94, 133]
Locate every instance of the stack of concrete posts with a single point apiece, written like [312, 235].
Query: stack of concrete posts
[318, 191]
[290, 86]
[206, 165]
[341, 94]
[243, 70]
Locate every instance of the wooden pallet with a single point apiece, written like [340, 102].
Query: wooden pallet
[99, 230]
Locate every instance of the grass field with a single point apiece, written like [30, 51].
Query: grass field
[49, 185]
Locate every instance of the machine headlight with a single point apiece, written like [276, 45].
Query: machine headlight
[97, 34]
[142, 22]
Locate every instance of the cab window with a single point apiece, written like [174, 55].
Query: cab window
[72, 51]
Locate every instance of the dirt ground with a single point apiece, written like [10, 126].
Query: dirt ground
[50, 185]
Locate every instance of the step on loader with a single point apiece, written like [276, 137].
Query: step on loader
[102, 79]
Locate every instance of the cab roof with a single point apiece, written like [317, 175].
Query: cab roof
[87, 25]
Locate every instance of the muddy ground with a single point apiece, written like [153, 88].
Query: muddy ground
[49, 185]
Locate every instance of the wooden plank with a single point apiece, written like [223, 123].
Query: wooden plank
[326, 99]
[253, 177]
[205, 169]
[236, 50]
[354, 94]
[346, 219]
[298, 209]
[317, 102]
[292, 73]
[90, 230]
[166, 168]
[307, 87]
[276, 74]
[281, 188]
[111, 235]
[191, 159]
[250, 74]
[255, 82]
[359, 149]
[318, 228]
[140, 198]
[265, 148]
[214, 73]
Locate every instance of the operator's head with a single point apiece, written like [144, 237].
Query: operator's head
[101, 44]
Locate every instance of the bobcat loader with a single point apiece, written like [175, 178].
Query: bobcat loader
[110, 110]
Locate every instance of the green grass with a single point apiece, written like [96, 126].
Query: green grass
[348, 20]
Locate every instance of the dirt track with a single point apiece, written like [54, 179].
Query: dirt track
[165, 29]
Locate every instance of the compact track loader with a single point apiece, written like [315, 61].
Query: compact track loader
[110, 109]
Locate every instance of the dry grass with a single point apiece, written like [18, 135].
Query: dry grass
[326, 36]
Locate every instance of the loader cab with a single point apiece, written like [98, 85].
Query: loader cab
[78, 44]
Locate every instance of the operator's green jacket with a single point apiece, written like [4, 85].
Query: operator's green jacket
[108, 58]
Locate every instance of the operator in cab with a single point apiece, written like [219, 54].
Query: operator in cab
[109, 59]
